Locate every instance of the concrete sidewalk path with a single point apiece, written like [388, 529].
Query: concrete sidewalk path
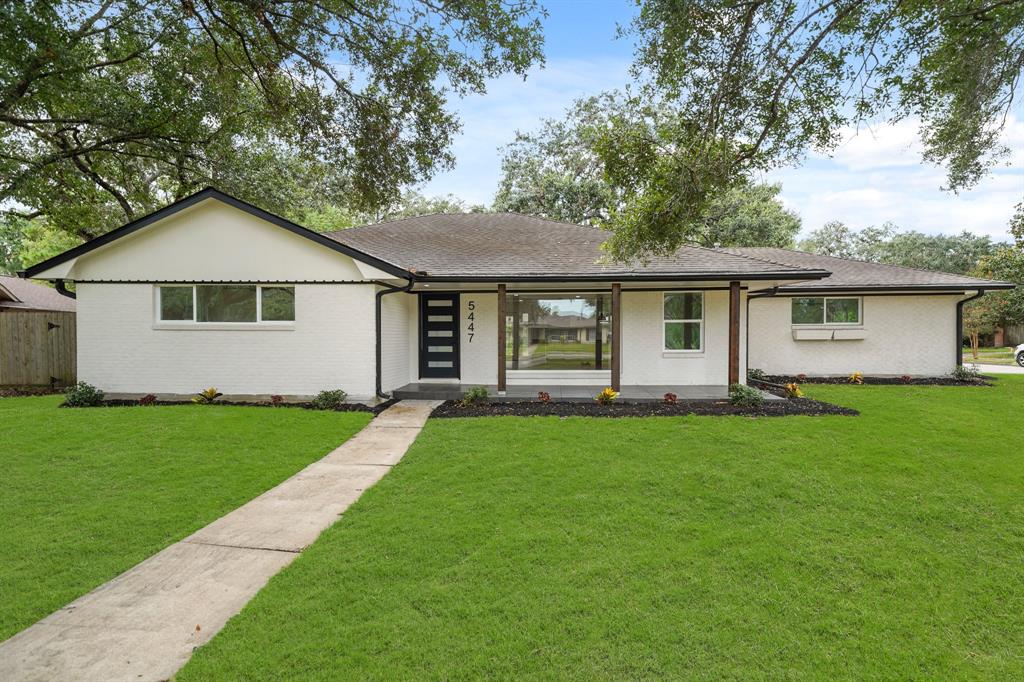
[144, 624]
[997, 369]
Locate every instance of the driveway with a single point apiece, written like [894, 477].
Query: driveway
[997, 369]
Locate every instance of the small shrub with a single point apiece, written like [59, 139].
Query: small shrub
[83, 394]
[745, 396]
[906, 379]
[207, 396]
[148, 399]
[801, 378]
[756, 374]
[856, 378]
[793, 391]
[965, 373]
[329, 400]
[474, 396]
[670, 398]
[544, 396]
[276, 400]
[606, 397]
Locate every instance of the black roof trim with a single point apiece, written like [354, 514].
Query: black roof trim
[951, 288]
[191, 200]
[623, 277]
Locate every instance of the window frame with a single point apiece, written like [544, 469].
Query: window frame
[196, 323]
[700, 321]
[824, 313]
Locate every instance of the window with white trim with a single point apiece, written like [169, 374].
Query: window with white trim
[683, 321]
[823, 310]
[226, 303]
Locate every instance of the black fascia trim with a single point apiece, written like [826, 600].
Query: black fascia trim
[868, 290]
[191, 200]
[570, 279]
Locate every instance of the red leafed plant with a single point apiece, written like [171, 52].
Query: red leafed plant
[148, 399]
[801, 378]
[276, 400]
[544, 396]
[906, 379]
[670, 398]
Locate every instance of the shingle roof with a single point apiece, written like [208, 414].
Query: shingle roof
[25, 295]
[514, 246]
[850, 274]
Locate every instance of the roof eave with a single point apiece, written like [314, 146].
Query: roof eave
[654, 277]
[952, 288]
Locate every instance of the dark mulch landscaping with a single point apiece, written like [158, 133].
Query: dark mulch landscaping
[347, 407]
[23, 391]
[779, 380]
[769, 408]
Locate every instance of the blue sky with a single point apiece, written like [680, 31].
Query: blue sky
[874, 176]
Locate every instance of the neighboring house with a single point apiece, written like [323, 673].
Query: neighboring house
[212, 291]
[37, 334]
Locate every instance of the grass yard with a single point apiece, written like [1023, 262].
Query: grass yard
[86, 494]
[888, 545]
[1002, 355]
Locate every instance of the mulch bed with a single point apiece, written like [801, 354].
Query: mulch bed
[22, 391]
[770, 408]
[779, 380]
[347, 407]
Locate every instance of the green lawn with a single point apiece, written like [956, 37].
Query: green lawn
[86, 494]
[888, 545]
[991, 356]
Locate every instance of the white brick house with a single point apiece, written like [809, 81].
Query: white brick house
[211, 291]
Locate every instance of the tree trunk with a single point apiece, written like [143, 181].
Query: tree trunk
[975, 342]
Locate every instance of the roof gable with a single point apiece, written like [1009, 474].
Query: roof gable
[50, 269]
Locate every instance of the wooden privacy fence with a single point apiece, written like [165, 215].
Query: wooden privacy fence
[1013, 334]
[37, 348]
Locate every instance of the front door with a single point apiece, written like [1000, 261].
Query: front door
[439, 336]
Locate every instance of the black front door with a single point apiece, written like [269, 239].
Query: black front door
[439, 336]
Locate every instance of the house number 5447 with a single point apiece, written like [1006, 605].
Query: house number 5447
[471, 319]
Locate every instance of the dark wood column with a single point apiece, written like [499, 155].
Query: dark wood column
[616, 335]
[501, 337]
[734, 333]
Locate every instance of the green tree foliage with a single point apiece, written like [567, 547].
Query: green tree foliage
[411, 203]
[24, 242]
[754, 84]
[111, 109]
[559, 173]
[1007, 264]
[958, 253]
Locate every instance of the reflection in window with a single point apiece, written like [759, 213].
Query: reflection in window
[558, 332]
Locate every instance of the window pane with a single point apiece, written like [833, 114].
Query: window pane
[176, 303]
[278, 304]
[842, 311]
[687, 306]
[808, 310]
[558, 332]
[226, 303]
[682, 336]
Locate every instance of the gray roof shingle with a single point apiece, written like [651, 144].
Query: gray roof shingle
[20, 294]
[850, 274]
[514, 246]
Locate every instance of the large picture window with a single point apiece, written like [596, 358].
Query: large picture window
[558, 332]
[226, 303]
[821, 310]
[684, 321]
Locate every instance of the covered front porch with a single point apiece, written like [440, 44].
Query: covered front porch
[558, 393]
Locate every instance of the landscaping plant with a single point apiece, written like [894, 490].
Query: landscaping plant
[906, 379]
[329, 400]
[745, 396]
[207, 396]
[856, 378]
[606, 397]
[276, 400]
[544, 397]
[148, 399]
[474, 396]
[965, 373]
[801, 377]
[83, 394]
[756, 374]
[793, 391]
[670, 398]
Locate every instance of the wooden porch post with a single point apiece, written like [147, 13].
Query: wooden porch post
[734, 333]
[616, 335]
[501, 337]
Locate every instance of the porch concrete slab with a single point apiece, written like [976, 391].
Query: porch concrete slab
[144, 624]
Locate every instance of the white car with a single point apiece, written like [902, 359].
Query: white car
[1018, 354]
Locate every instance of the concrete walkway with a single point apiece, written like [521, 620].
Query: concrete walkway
[997, 369]
[144, 624]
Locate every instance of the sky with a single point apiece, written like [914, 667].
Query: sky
[875, 175]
